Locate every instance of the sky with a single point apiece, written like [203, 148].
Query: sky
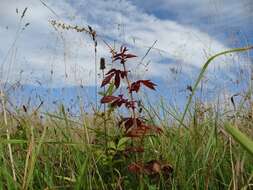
[184, 33]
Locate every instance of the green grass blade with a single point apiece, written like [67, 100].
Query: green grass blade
[240, 138]
[201, 74]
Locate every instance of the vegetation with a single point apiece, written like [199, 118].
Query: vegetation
[59, 153]
[139, 148]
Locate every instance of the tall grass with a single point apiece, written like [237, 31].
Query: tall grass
[59, 153]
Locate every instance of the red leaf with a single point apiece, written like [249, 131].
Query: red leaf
[142, 130]
[124, 49]
[123, 74]
[151, 128]
[152, 167]
[134, 150]
[108, 99]
[117, 80]
[118, 102]
[130, 55]
[158, 130]
[122, 56]
[167, 170]
[135, 168]
[107, 79]
[130, 104]
[114, 100]
[136, 132]
[135, 86]
[148, 84]
[116, 58]
[129, 122]
[114, 72]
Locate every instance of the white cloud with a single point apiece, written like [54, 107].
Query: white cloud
[40, 49]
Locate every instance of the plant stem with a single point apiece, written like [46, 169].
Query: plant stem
[104, 118]
[130, 94]
[8, 136]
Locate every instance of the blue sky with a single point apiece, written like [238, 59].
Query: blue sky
[187, 33]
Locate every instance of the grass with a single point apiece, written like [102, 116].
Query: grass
[59, 153]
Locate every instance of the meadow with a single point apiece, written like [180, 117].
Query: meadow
[127, 144]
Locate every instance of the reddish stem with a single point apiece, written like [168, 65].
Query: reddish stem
[130, 94]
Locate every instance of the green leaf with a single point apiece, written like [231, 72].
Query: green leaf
[110, 90]
[12, 141]
[66, 178]
[101, 93]
[240, 137]
[122, 143]
[111, 145]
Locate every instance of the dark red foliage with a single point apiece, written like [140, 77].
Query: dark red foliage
[129, 122]
[106, 80]
[148, 84]
[134, 150]
[135, 168]
[137, 132]
[108, 99]
[122, 55]
[131, 104]
[167, 170]
[152, 168]
[114, 100]
[135, 86]
[142, 130]
[134, 125]
[117, 74]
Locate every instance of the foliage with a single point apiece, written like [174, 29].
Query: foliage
[107, 150]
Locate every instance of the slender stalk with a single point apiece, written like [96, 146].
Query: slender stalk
[202, 72]
[96, 79]
[132, 107]
[104, 118]
[8, 135]
[233, 180]
[130, 94]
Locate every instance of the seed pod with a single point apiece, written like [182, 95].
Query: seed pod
[102, 63]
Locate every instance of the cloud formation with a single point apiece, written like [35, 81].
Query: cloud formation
[60, 58]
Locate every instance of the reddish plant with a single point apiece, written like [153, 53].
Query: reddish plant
[134, 125]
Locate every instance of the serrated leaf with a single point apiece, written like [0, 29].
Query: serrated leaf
[149, 84]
